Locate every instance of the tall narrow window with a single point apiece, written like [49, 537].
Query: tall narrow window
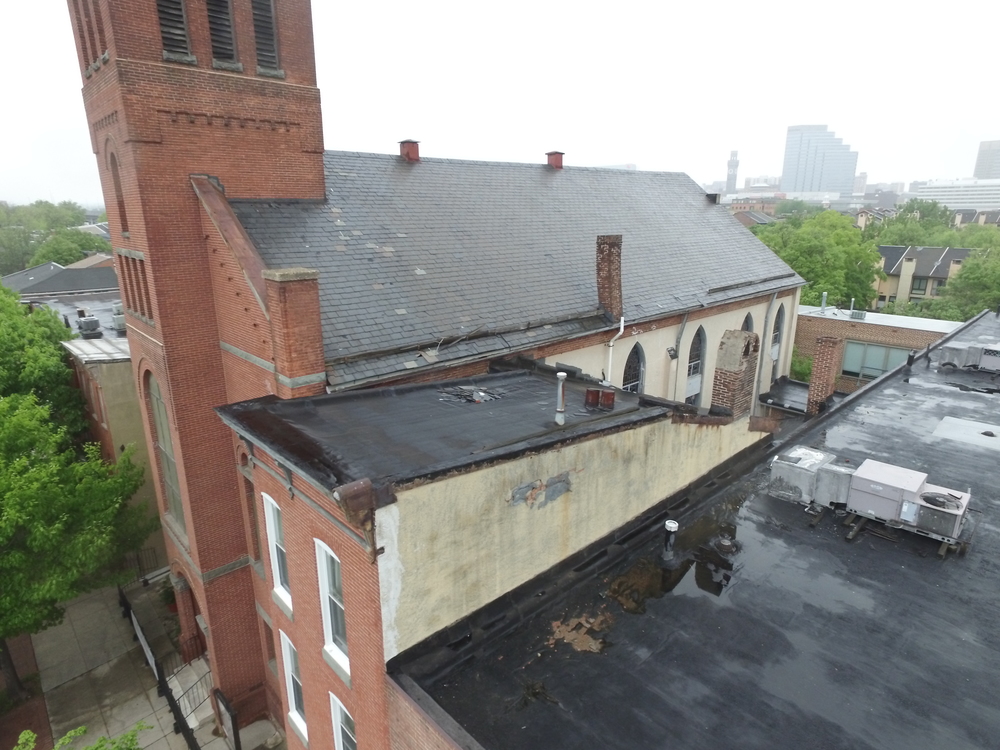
[173, 29]
[165, 452]
[264, 34]
[220, 28]
[343, 726]
[748, 323]
[696, 370]
[331, 594]
[119, 195]
[85, 50]
[276, 547]
[635, 367]
[293, 684]
[776, 333]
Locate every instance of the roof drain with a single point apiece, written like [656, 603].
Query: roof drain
[611, 350]
[561, 399]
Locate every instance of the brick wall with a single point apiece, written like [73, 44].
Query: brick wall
[410, 728]
[262, 136]
[365, 697]
[826, 366]
[736, 371]
[810, 328]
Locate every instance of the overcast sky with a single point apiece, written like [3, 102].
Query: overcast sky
[663, 85]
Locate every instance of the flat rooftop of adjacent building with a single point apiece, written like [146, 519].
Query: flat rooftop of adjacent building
[404, 432]
[104, 350]
[881, 319]
[798, 640]
[98, 305]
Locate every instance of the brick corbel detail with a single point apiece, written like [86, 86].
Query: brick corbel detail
[296, 332]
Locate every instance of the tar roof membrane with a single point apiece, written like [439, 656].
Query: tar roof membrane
[798, 640]
[394, 434]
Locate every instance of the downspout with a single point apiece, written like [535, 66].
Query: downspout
[677, 350]
[764, 350]
[611, 350]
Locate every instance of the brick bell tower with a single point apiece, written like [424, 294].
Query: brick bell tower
[175, 88]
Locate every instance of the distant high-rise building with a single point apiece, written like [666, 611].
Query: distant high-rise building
[988, 161]
[733, 164]
[860, 182]
[816, 161]
[916, 185]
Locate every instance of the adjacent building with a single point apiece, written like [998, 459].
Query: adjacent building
[988, 161]
[916, 273]
[872, 343]
[979, 195]
[816, 161]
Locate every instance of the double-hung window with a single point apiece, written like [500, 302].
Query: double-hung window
[343, 726]
[276, 546]
[293, 684]
[331, 594]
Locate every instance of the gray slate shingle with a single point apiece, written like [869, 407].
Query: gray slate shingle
[413, 253]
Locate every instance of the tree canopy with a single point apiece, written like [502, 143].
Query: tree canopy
[24, 230]
[828, 251]
[32, 359]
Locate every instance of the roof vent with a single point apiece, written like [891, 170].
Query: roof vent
[555, 159]
[410, 150]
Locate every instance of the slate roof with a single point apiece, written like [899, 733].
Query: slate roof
[931, 262]
[413, 254]
[69, 280]
[30, 276]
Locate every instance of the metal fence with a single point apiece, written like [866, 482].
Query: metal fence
[180, 706]
[229, 720]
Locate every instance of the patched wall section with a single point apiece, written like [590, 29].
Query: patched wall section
[454, 545]
[736, 371]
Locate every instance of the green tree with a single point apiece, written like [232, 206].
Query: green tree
[796, 208]
[976, 287]
[32, 360]
[828, 251]
[57, 250]
[65, 522]
[127, 741]
[16, 247]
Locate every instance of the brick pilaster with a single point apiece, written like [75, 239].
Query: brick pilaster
[826, 367]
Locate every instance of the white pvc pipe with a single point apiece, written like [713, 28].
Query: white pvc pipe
[561, 398]
[611, 350]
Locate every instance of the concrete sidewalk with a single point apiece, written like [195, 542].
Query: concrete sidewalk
[94, 674]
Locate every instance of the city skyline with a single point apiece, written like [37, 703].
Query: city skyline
[464, 95]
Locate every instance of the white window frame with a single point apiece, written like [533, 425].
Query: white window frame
[326, 592]
[296, 713]
[272, 520]
[337, 709]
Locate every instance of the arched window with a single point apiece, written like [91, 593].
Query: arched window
[696, 354]
[635, 369]
[165, 451]
[119, 195]
[748, 323]
[776, 333]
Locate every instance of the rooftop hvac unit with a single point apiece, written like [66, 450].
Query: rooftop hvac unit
[898, 497]
[858, 314]
[977, 357]
[90, 327]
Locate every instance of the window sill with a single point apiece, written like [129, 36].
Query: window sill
[337, 661]
[284, 601]
[180, 57]
[231, 66]
[270, 72]
[298, 725]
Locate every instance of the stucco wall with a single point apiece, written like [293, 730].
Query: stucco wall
[666, 378]
[454, 545]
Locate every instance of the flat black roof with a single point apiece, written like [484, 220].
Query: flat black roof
[798, 640]
[404, 432]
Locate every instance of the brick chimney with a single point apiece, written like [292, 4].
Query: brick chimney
[735, 367]
[410, 150]
[826, 365]
[555, 159]
[609, 274]
[297, 339]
